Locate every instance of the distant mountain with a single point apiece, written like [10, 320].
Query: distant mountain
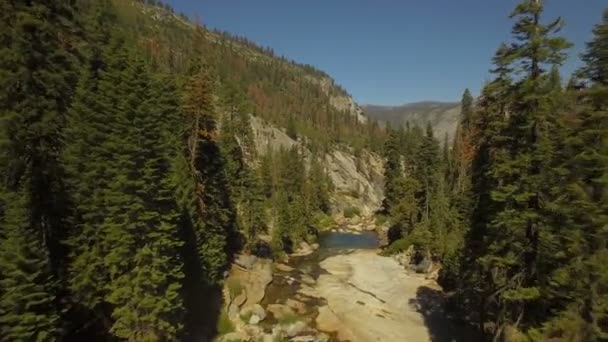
[443, 116]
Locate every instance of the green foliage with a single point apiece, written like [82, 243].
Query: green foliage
[125, 246]
[224, 324]
[351, 212]
[530, 256]
[398, 246]
[324, 222]
[381, 219]
[288, 319]
[27, 286]
[466, 110]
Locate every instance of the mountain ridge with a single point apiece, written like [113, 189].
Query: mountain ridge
[443, 116]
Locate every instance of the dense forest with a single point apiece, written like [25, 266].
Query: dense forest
[516, 207]
[128, 173]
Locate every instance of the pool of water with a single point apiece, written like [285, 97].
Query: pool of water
[348, 240]
[286, 284]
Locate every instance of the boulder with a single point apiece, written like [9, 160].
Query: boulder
[322, 337]
[256, 310]
[303, 249]
[405, 258]
[253, 281]
[434, 274]
[280, 311]
[254, 331]
[235, 336]
[240, 299]
[298, 306]
[294, 328]
[254, 319]
[245, 261]
[233, 311]
[303, 338]
[308, 280]
[270, 338]
[284, 268]
[424, 266]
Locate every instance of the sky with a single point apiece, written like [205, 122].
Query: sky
[391, 52]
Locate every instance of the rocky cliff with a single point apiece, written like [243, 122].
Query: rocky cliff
[358, 180]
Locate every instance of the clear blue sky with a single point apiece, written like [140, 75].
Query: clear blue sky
[390, 51]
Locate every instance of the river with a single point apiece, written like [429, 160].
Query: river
[346, 289]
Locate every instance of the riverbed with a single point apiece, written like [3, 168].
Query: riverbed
[348, 290]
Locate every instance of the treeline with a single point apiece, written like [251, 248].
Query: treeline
[527, 179]
[128, 184]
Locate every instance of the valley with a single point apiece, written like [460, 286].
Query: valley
[162, 179]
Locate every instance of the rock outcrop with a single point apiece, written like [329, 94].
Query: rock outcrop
[371, 298]
[251, 280]
[358, 180]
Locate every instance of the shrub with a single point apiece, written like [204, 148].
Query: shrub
[324, 222]
[381, 219]
[288, 319]
[224, 325]
[351, 212]
[398, 246]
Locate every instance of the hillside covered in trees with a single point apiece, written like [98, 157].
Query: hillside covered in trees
[516, 208]
[129, 176]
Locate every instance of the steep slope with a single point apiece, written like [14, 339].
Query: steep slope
[358, 179]
[279, 90]
[442, 115]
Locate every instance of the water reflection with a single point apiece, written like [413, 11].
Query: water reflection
[349, 240]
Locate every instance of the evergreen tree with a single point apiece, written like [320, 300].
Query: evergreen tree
[130, 206]
[427, 166]
[392, 170]
[27, 287]
[320, 185]
[215, 218]
[517, 241]
[579, 286]
[38, 77]
[466, 109]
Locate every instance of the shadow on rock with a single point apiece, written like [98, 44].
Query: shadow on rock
[430, 303]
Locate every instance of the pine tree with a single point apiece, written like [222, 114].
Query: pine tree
[320, 185]
[578, 287]
[466, 109]
[27, 287]
[124, 198]
[427, 165]
[392, 170]
[515, 234]
[253, 217]
[215, 218]
[37, 64]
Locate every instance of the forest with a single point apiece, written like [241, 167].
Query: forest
[129, 178]
[516, 207]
